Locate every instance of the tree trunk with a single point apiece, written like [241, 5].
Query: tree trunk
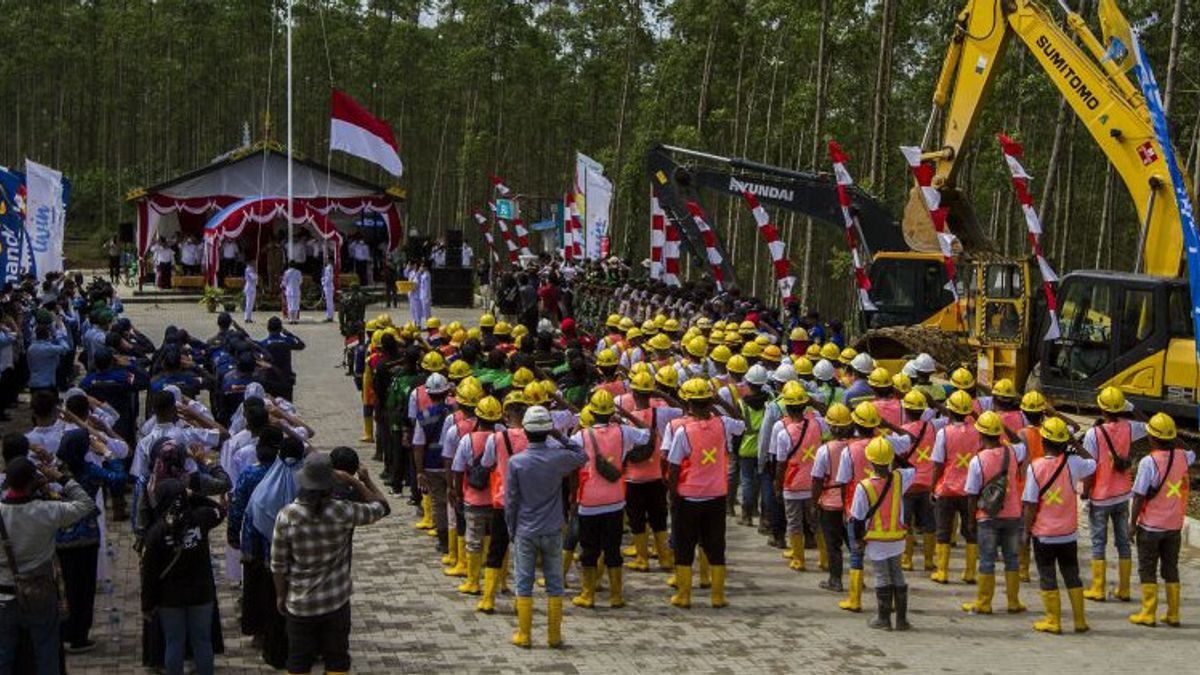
[705, 80]
[620, 154]
[1105, 213]
[883, 81]
[1060, 123]
[1173, 59]
[818, 117]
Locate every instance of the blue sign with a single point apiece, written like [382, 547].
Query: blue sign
[13, 251]
[506, 209]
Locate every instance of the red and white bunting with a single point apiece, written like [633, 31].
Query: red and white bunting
[568, 238]
[839, 159]
[937, 213]
[498, 183]
[658, 235]
[576, 223]
[670, 254]
[522, 235]
[710, 243]
[505, 235]
[487, 235]
[784, 279]
[1012, 153]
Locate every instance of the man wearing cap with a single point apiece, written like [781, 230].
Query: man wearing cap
[310, 560]
[533, 513]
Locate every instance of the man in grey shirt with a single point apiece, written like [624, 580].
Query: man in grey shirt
[535, 518]
[30, 523]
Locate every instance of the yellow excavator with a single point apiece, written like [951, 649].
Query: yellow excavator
[1130, 330]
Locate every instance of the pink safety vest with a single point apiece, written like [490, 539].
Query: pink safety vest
[594, 490]
[1166, 510]
[920, 456]
[831, 493]
[860, 468]
[704, 472]
[651, 469]
[1013, 420]
[1057, 514]
[797, 476]
[962, 442]
[518, 440]
[472, 496]
[1109, 482]
[990, 461]
[889, 409]
[614, 387]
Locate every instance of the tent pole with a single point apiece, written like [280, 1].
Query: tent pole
[290, 229]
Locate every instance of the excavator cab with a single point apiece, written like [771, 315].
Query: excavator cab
[997, 317]
[906, 288]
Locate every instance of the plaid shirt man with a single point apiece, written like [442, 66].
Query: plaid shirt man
[313, 553]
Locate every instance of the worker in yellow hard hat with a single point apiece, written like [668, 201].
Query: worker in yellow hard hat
[793, 444]
[923, 426]
[828, 492]
[634, 351]
[476, 499]
[611, 381]
[467, 395]
[1006, 401]
[886, 401]
[953, 448]
[877, 535]
[660, 351]
[798, 341]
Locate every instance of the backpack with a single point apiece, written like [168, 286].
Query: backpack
[991, 496]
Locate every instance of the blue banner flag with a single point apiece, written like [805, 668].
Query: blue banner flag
[14, 254]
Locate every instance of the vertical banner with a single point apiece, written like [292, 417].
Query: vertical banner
[45, 216]
[658, 235]
[784, 280]
[593, 194]
[861, 280]
[12, 223]
[671, 254]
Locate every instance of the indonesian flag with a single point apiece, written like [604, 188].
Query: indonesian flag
[355, 131]
[501, 188]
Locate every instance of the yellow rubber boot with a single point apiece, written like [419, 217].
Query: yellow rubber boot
[822, 552]
[522, 637]
[616, 592]
[554, 617]
[983, 596]
[568, 560]
[929, 551]
[1012, 592]
[1147, 617]
[666, 557]
[971, 559]
[451, 556]
[797, 542]
[942, 574]
[683, 587]
[1023, 563]
[504, 574]
[641, 554]
[907, 556]
[718, 586]
[853, 601]
[470, 586]
[1097, 592]
[487, 603]
[1171, 618]
[1076, 596]
[788, 552]
[1052, 623]
[459, 569]
[705, 570]
[368, 430]
[1124, 571]
[426, 521]
[587, 592]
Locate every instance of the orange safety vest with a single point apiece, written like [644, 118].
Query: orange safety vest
[704, 472]
[990, 461]
[889, 409]
[831, 493]
[594, 490]
[1012, 419]
[888, 522]
[518, 440]
[797, 476]
[920, 455]
[614, 387]
[472, 496]
[1057, 512]
[962, 442]
[1165, 511]
[1109, 482]
[651, 469]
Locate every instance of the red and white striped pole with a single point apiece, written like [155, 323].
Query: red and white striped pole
[937, 213]
[710, 243]
[839, 159]
[784, 280]
[658, 235]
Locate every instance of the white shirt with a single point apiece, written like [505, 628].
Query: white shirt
[189, 253]
[467, 256]
[881, 550]
[630, 437]
[163, 255]
[182, 435]
[360, 251]
[229, 250]
[250, 278]
[291, 282]
[1079, 468]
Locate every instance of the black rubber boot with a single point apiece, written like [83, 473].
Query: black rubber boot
[833, 584]
[883, 616]
[900, 594]
[443, 541]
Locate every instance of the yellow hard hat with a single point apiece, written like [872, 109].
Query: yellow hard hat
[515, 397]
[642, 381]
[902, 383]
[519, 331]
[468, 392]
[704, 323]
[607, 358]
[737, 364]
[761, 340]
[671, 326]
[667, 377]
[474, 333]
[1004, 388]
[690, 333]
[602, 403]
[626, 323]
[633, 333]
[384, 320]
[720, 324]
[838, 415]
[696, 389]
[879, 451]
[733, 339]
[502, 328]
[847, 355]
[660, 320]
[803, 365]
[960, 402]
[880, 378]
[459, 369]
[747, 328]
[914, 400]
[613, 321]
[649, 327]
[752, 350]
[720, 354]
[716, 336]
[585, 417]
[454, 327]
[798, 334]
[793, 394]
[489, 409]
[813, 352]
[372, 326]
[433, 362]
[376, 339]
[1033, 402]
[458, 337]
[989, 424]
[1111, 400]
[1055, 429]
[535, 394]
[865, 415]
[522, 377]
[772, 353]
[487, 321]
[1162, 427]
[549, 387]
[640, 367]
[433, 323]
[660, 343]
[830, 352]
[697, 346]
[962, 379]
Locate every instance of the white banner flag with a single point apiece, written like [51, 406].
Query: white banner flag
[45, 216]
[598, 191]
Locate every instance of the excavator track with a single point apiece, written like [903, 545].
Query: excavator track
[904, 342]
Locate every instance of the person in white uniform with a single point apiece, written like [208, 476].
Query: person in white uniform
[327, 289]
[425, 291]
[291, 292]
[411, 273]
[249, 291]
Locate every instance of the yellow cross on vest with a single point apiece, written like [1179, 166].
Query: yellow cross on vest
[810, 454]
[708, 456]
[1054, 496]
[922, 455]
[1173, 489]
[963, 460]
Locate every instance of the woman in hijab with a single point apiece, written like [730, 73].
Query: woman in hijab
[178, 590]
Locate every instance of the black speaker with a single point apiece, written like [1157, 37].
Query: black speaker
[454, 238]
[452, 287]
[125, 233]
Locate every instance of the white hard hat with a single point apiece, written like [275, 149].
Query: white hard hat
[757, 375]
[437, 384]
[537, 419]
[823, 370]
[863, 363]
[784, 373]
[910, 368]
[545, 327]
[924, 363]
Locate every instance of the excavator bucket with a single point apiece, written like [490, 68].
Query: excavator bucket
[918, 227]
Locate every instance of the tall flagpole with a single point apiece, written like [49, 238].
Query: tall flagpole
[289, 130]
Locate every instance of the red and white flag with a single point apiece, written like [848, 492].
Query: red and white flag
[487, 235]
[506, 235]
[937, 213]
[355, 131]
[658, 235]
[670, 254]
[501, 188]
[844, 182]
[710, 243]
[784, 279]
[522, 235]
